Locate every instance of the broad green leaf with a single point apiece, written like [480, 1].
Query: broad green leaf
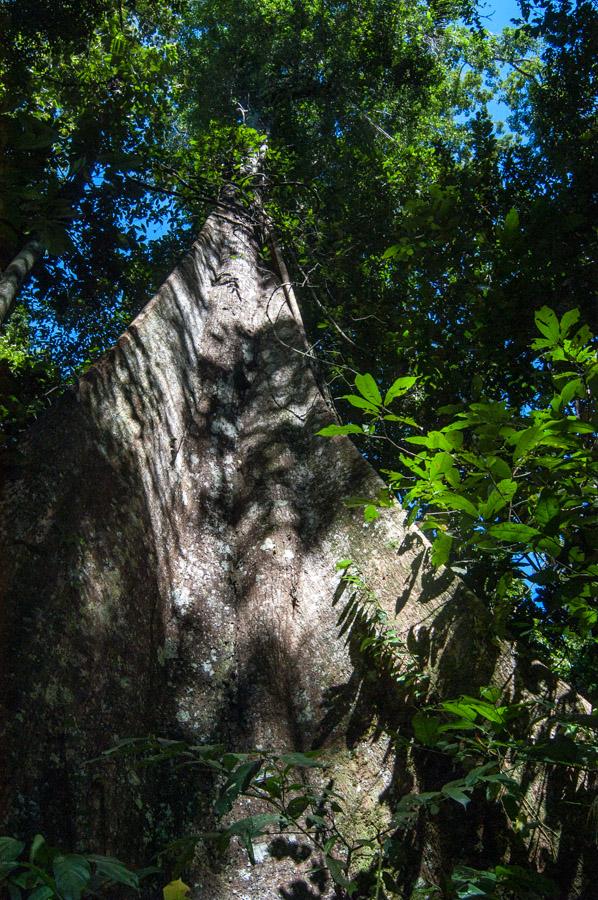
[548, 324]
[72, 873]
[425, 728]
[455, 793]
[176, 890]
[406, 420]
[360, 403]
[489, 711]
[44, 892]
[441, 549]
[436, 440]
[573, 388]
[568, 320]
[356, 502]
[456, 501]
[370, 513]
[251, 827]
[540, 344]
[547, 507]
[238, 781]
[528, 882]
[10, 849]
[576, 427]
[440, 464]
[498, 467]
[338, 876]
[398, 388]
[511, 220]
[297, 806]
[502, 494]
[114, 870]
[491, 692]
[461, 708]
[254, 825]
[513, 532]
[368, 388]
[333, 430]
[526, 440]
[36, 844]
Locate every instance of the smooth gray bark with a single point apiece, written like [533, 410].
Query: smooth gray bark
[16, 274]
[171, 529]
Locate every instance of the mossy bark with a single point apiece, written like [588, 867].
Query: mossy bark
[170, 530]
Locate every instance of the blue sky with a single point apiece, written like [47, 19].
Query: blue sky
[500, 13]
[495, 14]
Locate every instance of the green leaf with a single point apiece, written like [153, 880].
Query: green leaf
[356, 502]
[297, 806]
[461, 708]
[548, 324]
[406, 420]
[513, 532]
[498, 467]
[441, 549]
[333, 430]
[44, 892]
[511, 220]
[238, 781]
[338, 876]
[10, 849]
[437, 440]
[311, 758]
[425, 728]
[368, 388]
[547, 507]
[455, 793]
[37, 843]
[114, 870]
[526, 440]
[568, 320]
[72, 873]
[496, 714]
[516, 878]
[360, 403]
[252, 827]
[502, 494]
[176, 890]
[491, 692]
[398, 388]
[573, 388]
[370, 513]
[440, 464]
[449, 500]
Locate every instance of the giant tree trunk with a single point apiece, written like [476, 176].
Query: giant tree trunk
[169, 533]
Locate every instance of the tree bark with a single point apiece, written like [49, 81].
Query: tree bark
[170, 530]
[16, 274]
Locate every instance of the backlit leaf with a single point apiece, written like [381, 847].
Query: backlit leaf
[398, 388]
[368, 388]
[176, 890]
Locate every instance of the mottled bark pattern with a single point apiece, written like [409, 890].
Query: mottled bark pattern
[170, 530]
[16, 274]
